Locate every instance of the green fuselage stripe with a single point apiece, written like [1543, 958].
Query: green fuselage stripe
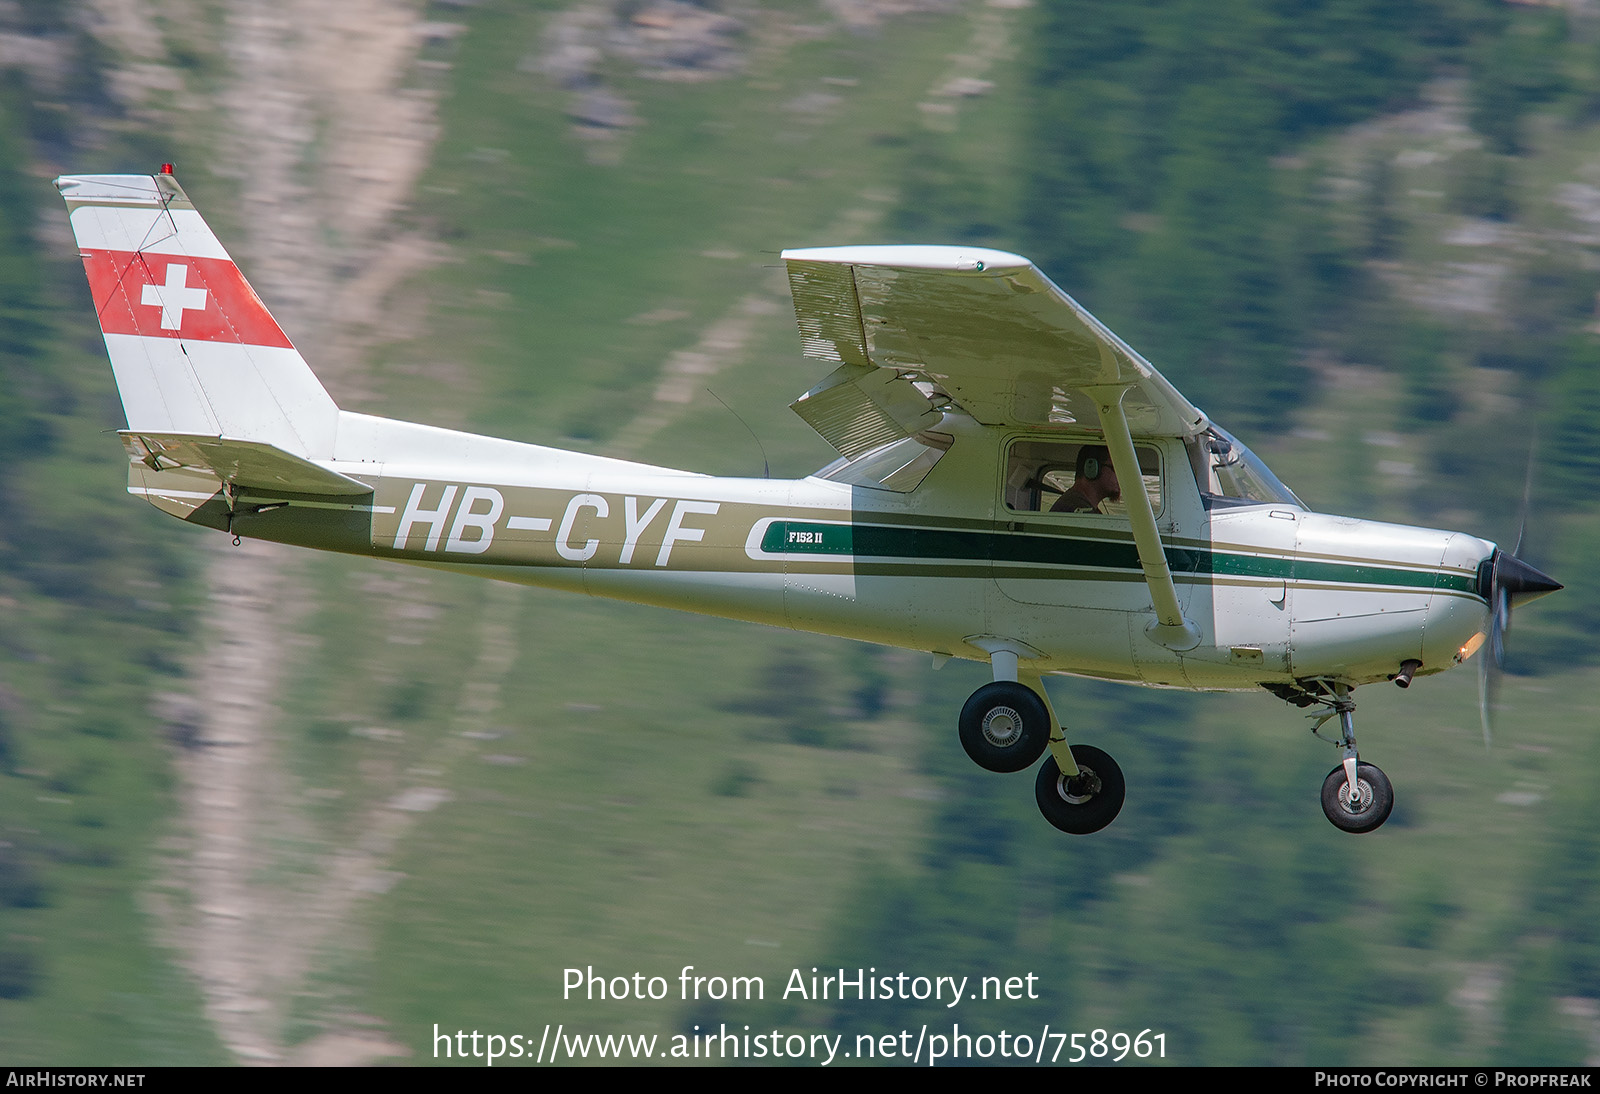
[878, 541]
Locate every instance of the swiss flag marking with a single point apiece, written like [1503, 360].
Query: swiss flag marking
[177, 296]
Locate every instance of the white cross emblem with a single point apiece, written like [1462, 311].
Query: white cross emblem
[175, 297]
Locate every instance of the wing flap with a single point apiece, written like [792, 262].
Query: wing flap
[857, 408]
[253, 465]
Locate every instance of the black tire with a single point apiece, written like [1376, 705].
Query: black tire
[1092, 803]
[1005, 726]
[1374, 803]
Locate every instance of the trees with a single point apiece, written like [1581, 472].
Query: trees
[1161, 187]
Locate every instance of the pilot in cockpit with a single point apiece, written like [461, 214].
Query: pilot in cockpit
[1094, 481]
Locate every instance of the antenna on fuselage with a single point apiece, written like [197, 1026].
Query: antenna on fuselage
[766, 469]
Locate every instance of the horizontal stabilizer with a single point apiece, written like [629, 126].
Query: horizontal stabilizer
[252, 465]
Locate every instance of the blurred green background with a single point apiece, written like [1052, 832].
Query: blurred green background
[261, 806]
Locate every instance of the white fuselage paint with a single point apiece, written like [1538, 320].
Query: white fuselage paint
[1290, 594]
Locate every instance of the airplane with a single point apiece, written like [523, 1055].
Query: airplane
[1015, 485]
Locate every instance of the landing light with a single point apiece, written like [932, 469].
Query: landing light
[1470, 647]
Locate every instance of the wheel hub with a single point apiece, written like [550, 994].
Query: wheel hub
[1358, 801]
[1002, 727]
[1077, 789]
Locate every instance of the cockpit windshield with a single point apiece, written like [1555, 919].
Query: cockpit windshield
[1231, 474]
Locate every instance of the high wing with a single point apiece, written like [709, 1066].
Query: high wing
[916, 326]
[985, 328]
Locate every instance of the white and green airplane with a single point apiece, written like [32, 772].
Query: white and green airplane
[1015, 485]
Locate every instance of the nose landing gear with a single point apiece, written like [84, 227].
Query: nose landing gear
[1356, 796]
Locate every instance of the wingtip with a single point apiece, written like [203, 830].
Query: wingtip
[913, 256]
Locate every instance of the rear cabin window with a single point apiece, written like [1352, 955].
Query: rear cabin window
[899, 465]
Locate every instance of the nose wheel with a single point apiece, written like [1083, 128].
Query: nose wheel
[1362, 809]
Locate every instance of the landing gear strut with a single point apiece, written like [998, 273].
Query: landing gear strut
[1008, 724]
[1356, 796]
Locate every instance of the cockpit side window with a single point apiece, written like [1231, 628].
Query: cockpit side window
[1065, 477]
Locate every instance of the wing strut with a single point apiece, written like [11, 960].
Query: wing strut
[1170, 629]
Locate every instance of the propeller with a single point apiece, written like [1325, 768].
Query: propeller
[1505, 580]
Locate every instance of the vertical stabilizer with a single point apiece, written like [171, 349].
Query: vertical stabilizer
[193, 348]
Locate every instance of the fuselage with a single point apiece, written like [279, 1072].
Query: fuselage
[1279, 593]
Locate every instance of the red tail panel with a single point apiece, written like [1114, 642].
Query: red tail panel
[178, 296]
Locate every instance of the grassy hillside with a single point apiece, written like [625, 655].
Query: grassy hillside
[659, 790]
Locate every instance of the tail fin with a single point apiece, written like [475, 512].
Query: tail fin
[193, 348]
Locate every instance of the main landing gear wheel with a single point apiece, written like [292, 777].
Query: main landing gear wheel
[1084, 803]
[1005, 726]
[1364, 810]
